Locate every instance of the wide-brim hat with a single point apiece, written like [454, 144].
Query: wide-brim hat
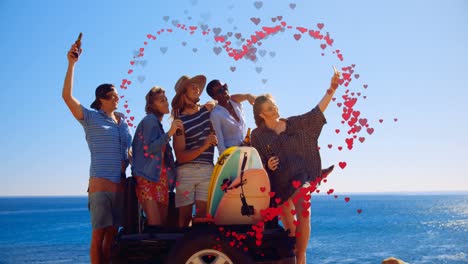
[186, 80]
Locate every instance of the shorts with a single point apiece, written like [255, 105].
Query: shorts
[152, 191]
[106, 209]
[193, 180]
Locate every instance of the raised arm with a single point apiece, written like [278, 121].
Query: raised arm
[323, 104]
[242, 97]
[72, 103]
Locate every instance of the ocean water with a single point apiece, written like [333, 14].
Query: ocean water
[415, 228]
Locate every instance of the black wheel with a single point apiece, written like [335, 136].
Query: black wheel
[206, 248]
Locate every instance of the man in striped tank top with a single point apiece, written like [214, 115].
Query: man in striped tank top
[194, 148]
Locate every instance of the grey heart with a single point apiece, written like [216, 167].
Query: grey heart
[217, 50]
[258, 4]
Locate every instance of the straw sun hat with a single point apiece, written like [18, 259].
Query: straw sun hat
[186, 80]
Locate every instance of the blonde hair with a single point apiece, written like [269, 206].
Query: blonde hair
[257, 108]
[153, 93]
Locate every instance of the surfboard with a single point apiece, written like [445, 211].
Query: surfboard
[228, 168]
[255, 188]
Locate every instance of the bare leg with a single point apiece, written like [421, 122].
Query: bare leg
[95, 251]
[287, 218]
[156, 213]
[200, 208]
[185, 215]
[109, 235]
[303, 228]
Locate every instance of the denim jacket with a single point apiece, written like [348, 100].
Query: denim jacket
[147, 145]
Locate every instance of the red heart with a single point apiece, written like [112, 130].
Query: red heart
[297, 36]
[125, 105]
[128, 111]
[272, 194]
[305, 213]
[352, 121]
[395, 119]
[337, 131]
[132, 118]
[293, 212]
[363, 121]
[356, 113]
[346, 114]
[342, 164]
[320, 25]
[338, 104]
[370, 130]
[362, 139]
[130, 71]
[349, 142]
[262, 189]
[336, 196]
[346, 199]
[330, 146]
[325, 180]
[277, 200]
[317, 191]
[330, 191]
[351, 102]
[323, 46]
[302, 29]
[380, 120]
[132, 62]
[296, 184]
[359, 211]
[365, 86]
[340, 148]
[296, 222]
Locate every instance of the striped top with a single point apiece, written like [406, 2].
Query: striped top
[197, 128]
[297, 149]
[108, 143]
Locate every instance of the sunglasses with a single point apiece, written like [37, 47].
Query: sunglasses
[222, 88]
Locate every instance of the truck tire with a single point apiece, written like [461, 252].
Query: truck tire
[206, 247]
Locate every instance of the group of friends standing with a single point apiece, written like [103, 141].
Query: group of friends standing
[195, 130]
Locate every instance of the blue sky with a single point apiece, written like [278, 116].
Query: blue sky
[412, 55]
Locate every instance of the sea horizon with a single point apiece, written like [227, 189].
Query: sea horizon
[456, 192]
